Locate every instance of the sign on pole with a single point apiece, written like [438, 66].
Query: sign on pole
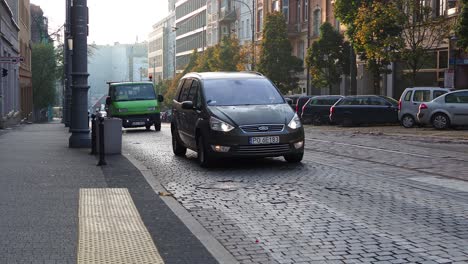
[11, 59]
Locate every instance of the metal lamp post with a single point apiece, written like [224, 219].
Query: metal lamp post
[80, 137]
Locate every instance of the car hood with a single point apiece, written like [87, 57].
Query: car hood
[254, 114]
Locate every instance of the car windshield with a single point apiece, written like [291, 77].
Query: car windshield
[120, 93]
[223, 92]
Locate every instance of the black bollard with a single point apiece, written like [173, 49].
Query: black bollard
[102, 158]
[93, 135]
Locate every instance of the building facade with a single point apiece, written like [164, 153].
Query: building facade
[10, 109]
[190, 28]
[25, 76]
[161, 46]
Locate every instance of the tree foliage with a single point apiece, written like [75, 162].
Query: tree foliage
[378, 29]
[44, 74]
[462, 26]
[328, 58]
[276, 61]
[422, 32]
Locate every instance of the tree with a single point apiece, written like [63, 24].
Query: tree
[327, 57]
[276, 61]
[378, 29]
[462, 26]
[43, 67]
[227, 54]
[422, 32]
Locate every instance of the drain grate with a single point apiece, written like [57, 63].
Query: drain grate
[111, 230]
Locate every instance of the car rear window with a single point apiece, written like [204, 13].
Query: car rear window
[224, 92]
[438, 93]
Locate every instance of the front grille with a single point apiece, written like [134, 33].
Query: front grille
[262, 149]
[258, 128]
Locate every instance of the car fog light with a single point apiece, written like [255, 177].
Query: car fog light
[219, 148]
[299, 144]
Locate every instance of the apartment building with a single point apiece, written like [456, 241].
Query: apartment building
[25, 76]
[9, 47]
[190, 28]
[161, 46]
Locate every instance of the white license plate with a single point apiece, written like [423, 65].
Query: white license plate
[138, 123]
[264, 140]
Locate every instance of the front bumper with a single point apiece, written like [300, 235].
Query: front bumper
[140, 120]
[239, 145]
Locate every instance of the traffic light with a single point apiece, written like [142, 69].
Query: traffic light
[4, 72]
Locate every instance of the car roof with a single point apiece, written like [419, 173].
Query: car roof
[427, 88]
[327, 96]
[224, 75]
[128, 83]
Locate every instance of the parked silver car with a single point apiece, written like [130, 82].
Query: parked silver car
[410, 100]
[450, 109]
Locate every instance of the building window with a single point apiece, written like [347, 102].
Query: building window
[275, 5]
[260, 20]
[248, 28]
[242, 30]
[306, 10]
[298, 19]
[317, 22]
[286, 10]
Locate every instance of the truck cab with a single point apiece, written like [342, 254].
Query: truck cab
[136, 103]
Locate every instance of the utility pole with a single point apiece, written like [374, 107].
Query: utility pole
[80, 137]
[66, 105]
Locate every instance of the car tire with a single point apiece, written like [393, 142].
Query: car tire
[204, 157]
[157, 127]
[440, 121]
[177, 148]
[408, 121]
[317, 120]
[148, 127]
[294, 158]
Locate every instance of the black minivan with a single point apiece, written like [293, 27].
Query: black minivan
[234, 114]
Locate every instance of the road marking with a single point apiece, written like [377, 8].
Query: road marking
[111, 230]
[372, 148]
[458, 185]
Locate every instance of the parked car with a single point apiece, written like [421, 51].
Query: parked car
[410, 100]
[220, 114]
[364, 109]
[317, 109]
[450, 109]
[298, 103]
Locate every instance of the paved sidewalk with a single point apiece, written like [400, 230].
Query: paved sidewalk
[49, 194]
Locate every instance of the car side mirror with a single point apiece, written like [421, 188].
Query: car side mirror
[108, 100]
[187, 105]
[160, 98]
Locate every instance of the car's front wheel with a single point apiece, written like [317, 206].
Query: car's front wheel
[440, 121]
[408, 121]
[177, 148]
[294, 158]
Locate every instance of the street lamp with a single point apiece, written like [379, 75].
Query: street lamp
[253, 27]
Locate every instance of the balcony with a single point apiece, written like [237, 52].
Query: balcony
[227, 15]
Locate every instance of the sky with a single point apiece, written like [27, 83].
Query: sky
[111, 21]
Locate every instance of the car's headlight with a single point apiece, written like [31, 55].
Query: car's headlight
[151, 108]
[295, 122]
[123, 110]
[218, 125]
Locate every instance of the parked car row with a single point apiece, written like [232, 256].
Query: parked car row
[439, 107]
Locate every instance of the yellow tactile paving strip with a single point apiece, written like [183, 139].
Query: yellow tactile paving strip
[111, 230]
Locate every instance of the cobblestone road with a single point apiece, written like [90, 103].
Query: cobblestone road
[354, 199]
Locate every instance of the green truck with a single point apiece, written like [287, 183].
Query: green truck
[136, 103]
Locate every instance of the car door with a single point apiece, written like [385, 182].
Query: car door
[457, 105]
[182, 113]
[192, 115]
